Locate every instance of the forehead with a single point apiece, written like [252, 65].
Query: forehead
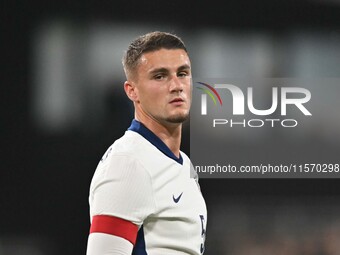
[163, 58]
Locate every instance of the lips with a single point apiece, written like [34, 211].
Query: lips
[177, 100]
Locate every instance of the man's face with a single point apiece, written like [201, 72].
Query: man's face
[163, 85]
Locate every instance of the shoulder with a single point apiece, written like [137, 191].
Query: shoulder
[123, 151]
[130, 145]
[123, 159]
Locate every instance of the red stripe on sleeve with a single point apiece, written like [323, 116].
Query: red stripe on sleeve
[114, 226]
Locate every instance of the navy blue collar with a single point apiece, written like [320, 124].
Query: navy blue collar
[138, 127]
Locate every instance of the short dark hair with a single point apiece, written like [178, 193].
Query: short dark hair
[147, 43]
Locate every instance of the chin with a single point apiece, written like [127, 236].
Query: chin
[180, 118]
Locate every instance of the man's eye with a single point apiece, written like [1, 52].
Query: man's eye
[158, 76]
[182, 74]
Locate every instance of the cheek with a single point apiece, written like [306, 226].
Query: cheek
[151, 97]
[188, 90]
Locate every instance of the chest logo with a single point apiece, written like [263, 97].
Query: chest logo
[176, 199]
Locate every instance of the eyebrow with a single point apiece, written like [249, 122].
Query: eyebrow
[165, 70]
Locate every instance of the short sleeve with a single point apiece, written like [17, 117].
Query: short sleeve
[121, 187]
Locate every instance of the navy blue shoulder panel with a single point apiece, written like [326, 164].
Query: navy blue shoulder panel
[140, 248]
[138, 127]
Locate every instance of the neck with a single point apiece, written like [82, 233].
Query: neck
[169, 133]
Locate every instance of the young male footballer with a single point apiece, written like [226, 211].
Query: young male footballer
[143, 199]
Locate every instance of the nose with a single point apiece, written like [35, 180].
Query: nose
[176, 84]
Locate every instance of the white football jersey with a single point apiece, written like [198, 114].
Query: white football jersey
[140, 180]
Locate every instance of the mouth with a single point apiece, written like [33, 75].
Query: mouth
[177, 100]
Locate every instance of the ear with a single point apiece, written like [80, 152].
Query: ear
[131, 91]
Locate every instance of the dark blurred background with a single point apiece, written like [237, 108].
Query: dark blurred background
[63, 104]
